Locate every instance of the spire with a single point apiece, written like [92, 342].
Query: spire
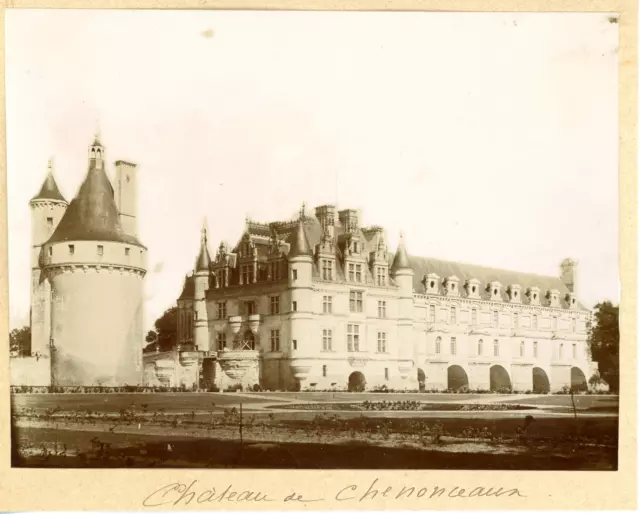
[204, 259]
[401, 259]
[298, 242]
[49, 189]
[92, 215]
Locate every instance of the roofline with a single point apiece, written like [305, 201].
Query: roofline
[120, 161]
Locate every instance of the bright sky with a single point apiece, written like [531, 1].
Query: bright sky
[485, 138]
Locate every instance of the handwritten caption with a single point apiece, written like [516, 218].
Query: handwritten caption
[182, 494]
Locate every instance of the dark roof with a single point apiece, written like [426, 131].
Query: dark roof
[189, 288]
[422, 266]
[401, 259]
[49, 189]
[204, 259]
[298, 242]
[92, 215]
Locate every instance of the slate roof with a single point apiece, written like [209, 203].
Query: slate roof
[188, 289]
[92, 215]
[49, 189]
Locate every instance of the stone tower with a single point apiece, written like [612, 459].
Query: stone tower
[201, 282]
[96, 270]
[47, 209]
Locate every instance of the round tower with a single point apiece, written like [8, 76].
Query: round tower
[96, 272]
[300, 259]
[402, 273]
[47, 209]
[201, 282]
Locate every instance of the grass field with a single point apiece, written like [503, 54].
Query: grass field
[296, 430]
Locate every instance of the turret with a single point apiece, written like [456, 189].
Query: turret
[403, 276]
[201, 279]
[401, 270]
[47, 209]
[300, 259]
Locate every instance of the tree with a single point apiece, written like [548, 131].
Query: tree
[20, 341]
[166, 331]
[604, 342]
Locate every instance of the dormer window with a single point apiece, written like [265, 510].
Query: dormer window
[356, 248]
[355, 272]
[327, 269]
[571, 300]
[431, 283]
[534, 295]
[495, 291]
[451, 286]
[472, 287]
[381, 276]
[554, 297]
[514, 293]
[100, 250]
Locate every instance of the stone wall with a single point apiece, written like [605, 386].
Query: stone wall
[30, 371]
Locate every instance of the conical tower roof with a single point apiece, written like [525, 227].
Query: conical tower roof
[92, 215]
[49, 189]
[204, 258]
[401, 259]
[298, 242]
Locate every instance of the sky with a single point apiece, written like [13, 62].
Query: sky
[487, 138]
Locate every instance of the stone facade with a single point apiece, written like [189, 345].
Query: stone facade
[87, 283]
[319, 303]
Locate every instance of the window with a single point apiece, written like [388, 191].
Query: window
[382, 342]
[355, 272]
[521, 348]
[222, 310]
[324, 370]
[327, 340]
[327, 304]
[100, 250]
[274, 305]
[250, 308]
[50, 222]
[275, 340]
[574, 350]
[561, 350]
[72, 249]
[453, 316]
[534, 322]
[353, 338]
[496, 348]
[438, 344]
[480, 347]
[127, 251]
[355, 301]
[294, 306]
[515, 320]
[495, 318]
[382, 309]
[50, 251]
[247, 274]
[294, 274]
[453, 346]
[474, 316]
[327, 269]
[294, 343]
[381, 276]
[432, 313]
[221, 341]
[535, 349]
[386, 373]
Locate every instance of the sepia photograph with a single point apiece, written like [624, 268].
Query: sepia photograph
[313, 240]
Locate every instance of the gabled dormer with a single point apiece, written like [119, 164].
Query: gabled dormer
[533, 293]
[325, 257]
[431, 283]
[571, 300]
[553, 297]
[472, 287]
[494, 288]
[514, 292]
[378, 257]
[247, 260]
[275, 260]
[221, 266]
[451, 286]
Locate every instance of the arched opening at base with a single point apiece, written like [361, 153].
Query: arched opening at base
[457, 378]
[421, 380]
[540, 381]
[578, 380]
[499, 379]
[357, 382]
